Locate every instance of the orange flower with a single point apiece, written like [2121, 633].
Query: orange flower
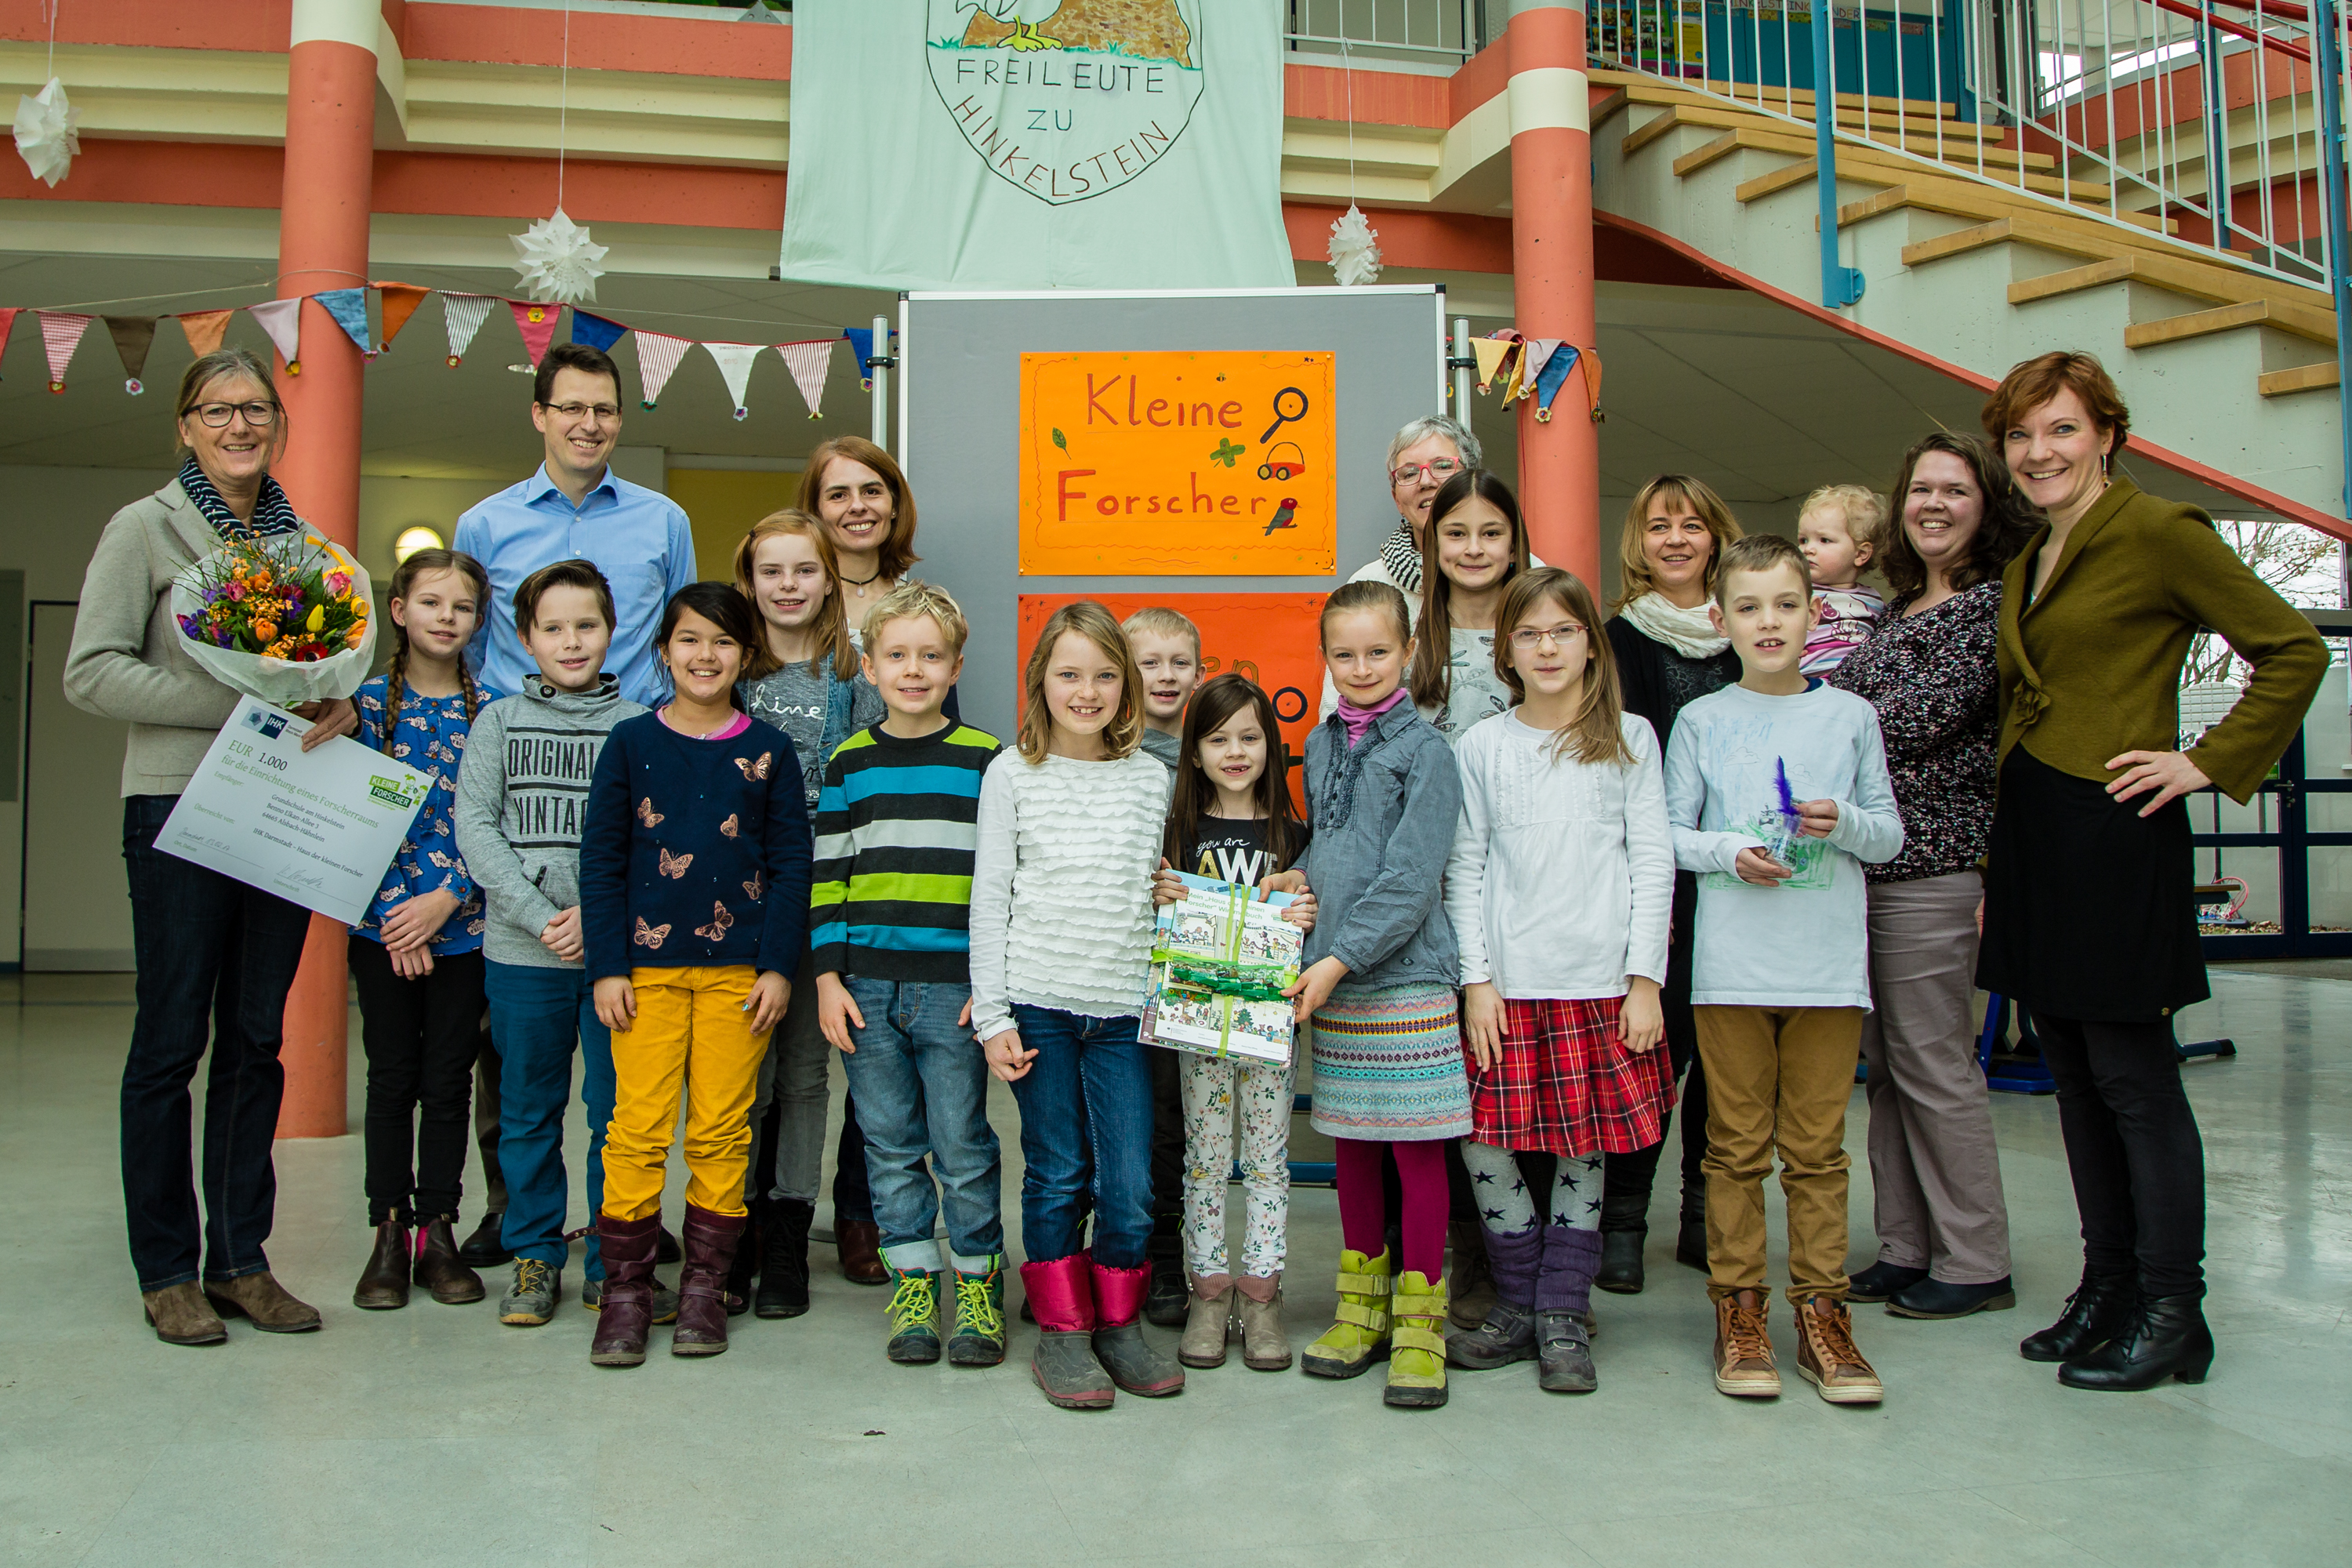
[265, 631]
[357, 632]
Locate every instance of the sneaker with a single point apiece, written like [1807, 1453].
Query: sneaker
[1743, 1348]
[914, 1310]
[1564, 1355]
[979, 1337]
[1508, 1334]
[591, 1295]
[1826, 1357]
[538, 1287]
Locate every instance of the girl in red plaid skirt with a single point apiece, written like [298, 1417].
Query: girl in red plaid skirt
[1559, 889]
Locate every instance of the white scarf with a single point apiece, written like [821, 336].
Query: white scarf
[1689, 632]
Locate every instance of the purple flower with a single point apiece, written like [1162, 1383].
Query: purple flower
[187, 626]
[220, 635]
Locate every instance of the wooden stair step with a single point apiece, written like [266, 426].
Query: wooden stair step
[1863, 166]
[2301, 378]
[1773, 137]
[2194, 279]
[2201, 323]
[1649, 89]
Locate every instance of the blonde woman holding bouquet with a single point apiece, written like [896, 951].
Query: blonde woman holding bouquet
[208, 947]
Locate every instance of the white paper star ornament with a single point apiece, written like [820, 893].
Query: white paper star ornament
[46, 137]
[1355, 249]
[558, 261]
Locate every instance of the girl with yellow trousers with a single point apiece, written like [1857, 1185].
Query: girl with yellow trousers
[694, 882]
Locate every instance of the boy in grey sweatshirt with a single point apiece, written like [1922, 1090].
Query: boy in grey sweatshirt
[522, 797]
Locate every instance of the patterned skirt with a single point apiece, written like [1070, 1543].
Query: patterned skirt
[1567, 1084]
[1388, 1064]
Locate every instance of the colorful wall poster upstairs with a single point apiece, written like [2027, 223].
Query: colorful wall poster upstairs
[1208, 464]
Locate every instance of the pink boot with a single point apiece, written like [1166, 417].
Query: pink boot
[1119, 1343]
[1064, 1304]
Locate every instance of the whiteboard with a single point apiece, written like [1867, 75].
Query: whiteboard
[960, 412]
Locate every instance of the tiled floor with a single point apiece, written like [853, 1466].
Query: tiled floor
[433, 1435]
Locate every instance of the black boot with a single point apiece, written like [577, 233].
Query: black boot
[1690, 1233]
[1168, 1303]
[783, 1257]
[746, 1264]
[1624, 1229]
[2099, 1309]
[487, 1247]
[2166, 1337]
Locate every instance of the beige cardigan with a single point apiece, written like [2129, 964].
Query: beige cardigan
[128, 661]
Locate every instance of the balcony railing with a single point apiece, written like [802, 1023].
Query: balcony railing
[1435, 32]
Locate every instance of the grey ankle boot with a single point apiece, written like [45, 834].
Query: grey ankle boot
[1207, 1326]
[1135, 1365]
[1508, 1334]
[1265, 1347]
[1065, 1367]
[1564, 1355]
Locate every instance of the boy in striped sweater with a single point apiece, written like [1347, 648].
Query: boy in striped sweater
[889, 916]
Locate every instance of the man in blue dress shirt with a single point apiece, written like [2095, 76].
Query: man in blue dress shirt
[576, 508]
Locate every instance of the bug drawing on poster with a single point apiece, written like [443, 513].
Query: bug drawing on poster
[1187, 463]
[1220, 961]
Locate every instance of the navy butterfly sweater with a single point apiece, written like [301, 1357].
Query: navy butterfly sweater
[696, 851]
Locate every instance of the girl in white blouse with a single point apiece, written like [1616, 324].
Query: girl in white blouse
[1559, 889]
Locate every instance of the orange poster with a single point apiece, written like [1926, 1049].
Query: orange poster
[1270, 637]
[1138, 464]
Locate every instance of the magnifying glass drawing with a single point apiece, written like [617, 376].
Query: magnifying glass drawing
[1289, 405]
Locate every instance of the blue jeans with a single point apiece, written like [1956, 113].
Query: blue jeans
[216, 960]
[536, 1015]
[921, 1085]
[1086, 1119]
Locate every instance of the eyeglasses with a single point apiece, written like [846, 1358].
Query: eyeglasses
[580, 410]
[1442, 468]
[218, 415]
[1529, 639]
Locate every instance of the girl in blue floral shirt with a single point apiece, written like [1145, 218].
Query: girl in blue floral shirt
[416, 958]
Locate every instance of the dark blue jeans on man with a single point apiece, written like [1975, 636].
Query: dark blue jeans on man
[921, 1087]
[1086, 1125]
[538, 1015]
[216, 961]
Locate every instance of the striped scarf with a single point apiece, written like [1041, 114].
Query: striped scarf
[1403, 558]
[272, 513]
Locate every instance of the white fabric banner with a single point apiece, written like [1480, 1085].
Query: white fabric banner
[1037, 144]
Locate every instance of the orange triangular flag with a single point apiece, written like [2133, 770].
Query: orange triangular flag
[399, 303]
[204, 330]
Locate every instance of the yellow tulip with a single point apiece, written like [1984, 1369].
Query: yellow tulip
[318, 618]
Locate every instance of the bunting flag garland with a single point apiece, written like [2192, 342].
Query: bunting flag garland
[133, 336]
[1552, 377]
[734, 360]
[595, 330]
[1533, 357]
[1590, 360]
[282, 320]
[657, 358]
[61, 333]
[1489, 354]
[204, 330]
[349, 306]
[809, 362]
[7, 325]
[537, 324]
[466, 314]
[861, 343]
[399, 303]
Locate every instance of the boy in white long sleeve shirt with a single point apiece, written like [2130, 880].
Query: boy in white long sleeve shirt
[1777, 791]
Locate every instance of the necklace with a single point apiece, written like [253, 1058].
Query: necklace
[862, 585]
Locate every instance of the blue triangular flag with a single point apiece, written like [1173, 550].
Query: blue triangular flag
[861, 343]
[349, 306]
[1553, 377]
[594, 330]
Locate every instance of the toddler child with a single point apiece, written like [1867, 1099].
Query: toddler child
[1838, 529]
[1560, 888]
[802, 677]
[1777, 791]
[1378, 987]
[695, 814]
[890, 912]
[1061, 949]
[1167, 647]
[1232, 821]
[519, 811]
[416, 956]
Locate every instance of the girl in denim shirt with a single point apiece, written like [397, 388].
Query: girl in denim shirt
[416, 957]
[1377, 988]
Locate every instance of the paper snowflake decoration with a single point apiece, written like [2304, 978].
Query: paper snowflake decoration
[46, 138]
[558, 261]
[1354, 248]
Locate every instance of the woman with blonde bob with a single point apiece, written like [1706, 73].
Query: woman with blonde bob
[1563, 809]
[862, 498]
[1061, 945]
[1668, 655]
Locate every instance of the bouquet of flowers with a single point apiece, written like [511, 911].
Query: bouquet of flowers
[287, 618]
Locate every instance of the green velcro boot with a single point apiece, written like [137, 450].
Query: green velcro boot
[1359, 1334]
[914, 1310]
[979, 1337]
[1417, 1361]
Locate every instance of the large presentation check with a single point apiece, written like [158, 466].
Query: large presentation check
[318, 827]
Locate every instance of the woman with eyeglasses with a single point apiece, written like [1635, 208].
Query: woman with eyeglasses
[211, 950]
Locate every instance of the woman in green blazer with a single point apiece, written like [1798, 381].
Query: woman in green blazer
[2089, 919]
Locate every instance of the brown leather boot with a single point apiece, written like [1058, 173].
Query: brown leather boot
[1743, 1347]
[860, 1241]
[1827, 1358]
[709, 1244]
[625, 1314]
[383, 1283]
[439, 1268]
[262, 1298]
[181, 1316]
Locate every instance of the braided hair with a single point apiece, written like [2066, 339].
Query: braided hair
[403, 580]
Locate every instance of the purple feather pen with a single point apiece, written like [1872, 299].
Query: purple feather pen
[1790, 818]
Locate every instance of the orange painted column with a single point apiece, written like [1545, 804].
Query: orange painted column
[322, 243]
[1552, 275]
